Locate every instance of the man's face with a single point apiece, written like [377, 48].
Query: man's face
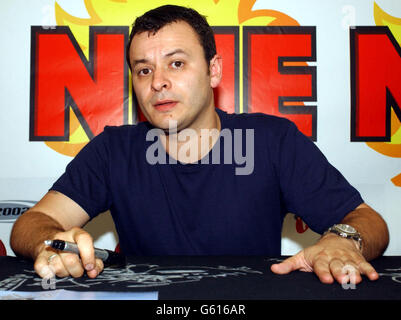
[171, 78]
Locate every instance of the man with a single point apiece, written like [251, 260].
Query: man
[189, 205]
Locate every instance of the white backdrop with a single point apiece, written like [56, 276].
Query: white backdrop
[28, 169]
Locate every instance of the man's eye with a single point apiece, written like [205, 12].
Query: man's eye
[177, 64]
[144, 72]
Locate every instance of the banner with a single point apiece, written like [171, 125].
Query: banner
[331, 68]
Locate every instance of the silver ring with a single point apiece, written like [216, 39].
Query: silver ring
[52, 257]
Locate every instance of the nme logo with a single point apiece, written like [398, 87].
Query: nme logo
[97, 89]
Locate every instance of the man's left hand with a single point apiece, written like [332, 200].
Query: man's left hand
[331, 258]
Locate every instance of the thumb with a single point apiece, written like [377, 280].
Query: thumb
[86, 249]
[296, 262]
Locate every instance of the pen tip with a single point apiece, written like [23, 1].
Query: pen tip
[48, 242]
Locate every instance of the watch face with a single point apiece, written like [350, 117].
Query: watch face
[346, 228]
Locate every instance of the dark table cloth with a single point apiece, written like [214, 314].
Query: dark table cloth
[200, 278]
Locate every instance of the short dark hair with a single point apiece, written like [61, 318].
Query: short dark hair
[155, 19]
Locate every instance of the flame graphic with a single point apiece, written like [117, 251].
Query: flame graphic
[392, 148]
[123, 12]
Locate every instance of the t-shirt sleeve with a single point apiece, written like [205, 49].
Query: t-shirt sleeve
[86, 177]
[311, 187]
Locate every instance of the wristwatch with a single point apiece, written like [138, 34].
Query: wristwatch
[346, 231]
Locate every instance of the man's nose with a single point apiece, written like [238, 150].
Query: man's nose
[160, 80]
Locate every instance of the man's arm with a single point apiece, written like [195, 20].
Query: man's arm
[332, 256]
[55, 216]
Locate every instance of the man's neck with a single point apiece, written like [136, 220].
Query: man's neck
[193, 143]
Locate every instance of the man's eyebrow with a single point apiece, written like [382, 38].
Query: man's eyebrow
[169, 54]
[135, 62]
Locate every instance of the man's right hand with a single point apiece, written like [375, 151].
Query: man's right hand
[50, 262]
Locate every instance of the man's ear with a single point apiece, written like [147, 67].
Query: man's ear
[216, 70]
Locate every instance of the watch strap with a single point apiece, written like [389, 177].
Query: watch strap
[353, 236]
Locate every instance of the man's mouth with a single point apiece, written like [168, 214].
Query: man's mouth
[164, 105]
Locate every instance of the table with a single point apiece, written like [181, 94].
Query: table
[210, 278]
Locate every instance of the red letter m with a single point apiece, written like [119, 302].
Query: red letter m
[61, 77]
[375, 83]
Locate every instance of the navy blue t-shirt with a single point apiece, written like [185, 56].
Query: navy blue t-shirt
[171, 208]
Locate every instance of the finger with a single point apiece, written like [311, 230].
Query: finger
[97, 270]
[283, 267]
[86, 248]
[345, 271]
[55, 264]
[367, 269]
[352, 273]
[42, 267]
[71, 263]
[321, 268]
[337, 269]
[290, 264]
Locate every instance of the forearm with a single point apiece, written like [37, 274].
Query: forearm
[29, 232]
[373, 230]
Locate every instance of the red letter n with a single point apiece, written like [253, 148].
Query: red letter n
[61, 76]
[375, 83]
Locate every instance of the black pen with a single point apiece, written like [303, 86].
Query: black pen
[108, 257]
